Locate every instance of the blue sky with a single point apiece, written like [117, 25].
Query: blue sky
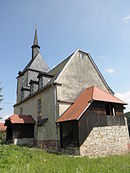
[101, 28]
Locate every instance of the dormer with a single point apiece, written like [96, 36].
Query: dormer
[44, 78]
[33, 86]
[25, 92]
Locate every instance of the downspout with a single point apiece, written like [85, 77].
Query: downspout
[55, 112]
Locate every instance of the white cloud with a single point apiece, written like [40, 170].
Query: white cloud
[126, 19]
[126, 98]
[110, 70]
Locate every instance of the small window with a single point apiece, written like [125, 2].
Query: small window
[107, 109]
[113, 111]
[31, 89]
[21, 111]
[39, 107]
[110, 110]
[23, 79]
[40, 82]
[22, 95]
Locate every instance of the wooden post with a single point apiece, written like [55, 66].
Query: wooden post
[61, 138]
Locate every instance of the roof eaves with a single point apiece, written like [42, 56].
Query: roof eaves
[110, 102]
[25, 88]
[45, 75]
[33, 81]
[30, 96]
[60, 64]
[40, 90]
[29, 69]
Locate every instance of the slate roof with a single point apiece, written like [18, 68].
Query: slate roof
[20, 119]
[28, 66]
[56, 70]
[2, 127]
[85, 99]
[59, 69]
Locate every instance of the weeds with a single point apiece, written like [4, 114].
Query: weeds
[14, 159]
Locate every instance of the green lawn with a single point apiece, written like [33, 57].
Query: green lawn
[14, 159]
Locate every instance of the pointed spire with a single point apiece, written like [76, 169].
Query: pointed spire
[35, 46]
[35, 37]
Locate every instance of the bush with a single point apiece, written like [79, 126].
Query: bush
[127, 115]
[2, 137]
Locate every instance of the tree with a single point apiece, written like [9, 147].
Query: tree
[127, 115]
[1, 98]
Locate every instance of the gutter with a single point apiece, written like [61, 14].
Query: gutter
[55, 112]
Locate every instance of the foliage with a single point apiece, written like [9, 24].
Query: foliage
[1, 98]
[2, 136]
[127, 115]
[14, 159]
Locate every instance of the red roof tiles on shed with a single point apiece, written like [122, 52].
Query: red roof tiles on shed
[20, 119]
[2, 127]
[90, 94]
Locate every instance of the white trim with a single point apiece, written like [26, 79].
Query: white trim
[64, 68]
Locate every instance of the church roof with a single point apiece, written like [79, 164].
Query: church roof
[85, 99]
[59, 70]
[92, 61]
[20, 119]
[31, 65]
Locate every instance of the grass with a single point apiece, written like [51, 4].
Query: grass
[14, 159]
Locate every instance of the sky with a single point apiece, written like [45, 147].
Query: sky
[99, 27]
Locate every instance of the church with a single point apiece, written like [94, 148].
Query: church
[69, 108]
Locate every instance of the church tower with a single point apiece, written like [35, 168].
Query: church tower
[30, 73]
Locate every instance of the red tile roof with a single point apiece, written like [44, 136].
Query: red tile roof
[2, 127]
[20, 119]
[90, 94]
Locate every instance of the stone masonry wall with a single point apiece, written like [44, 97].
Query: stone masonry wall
[104, 141]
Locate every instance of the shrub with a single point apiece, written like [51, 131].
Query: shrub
[2, 137]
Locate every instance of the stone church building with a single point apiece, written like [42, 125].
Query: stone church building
[69, 108]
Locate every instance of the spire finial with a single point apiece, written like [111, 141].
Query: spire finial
[35, 46]
[35, 36]
[35, 26]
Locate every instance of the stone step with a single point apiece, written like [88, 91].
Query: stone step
[71, 145]
[70, 150]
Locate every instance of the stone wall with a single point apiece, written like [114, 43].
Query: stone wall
[48, 144]
[104, 141]
[24, 141]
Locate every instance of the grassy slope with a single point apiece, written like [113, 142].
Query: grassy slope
[14, 159]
